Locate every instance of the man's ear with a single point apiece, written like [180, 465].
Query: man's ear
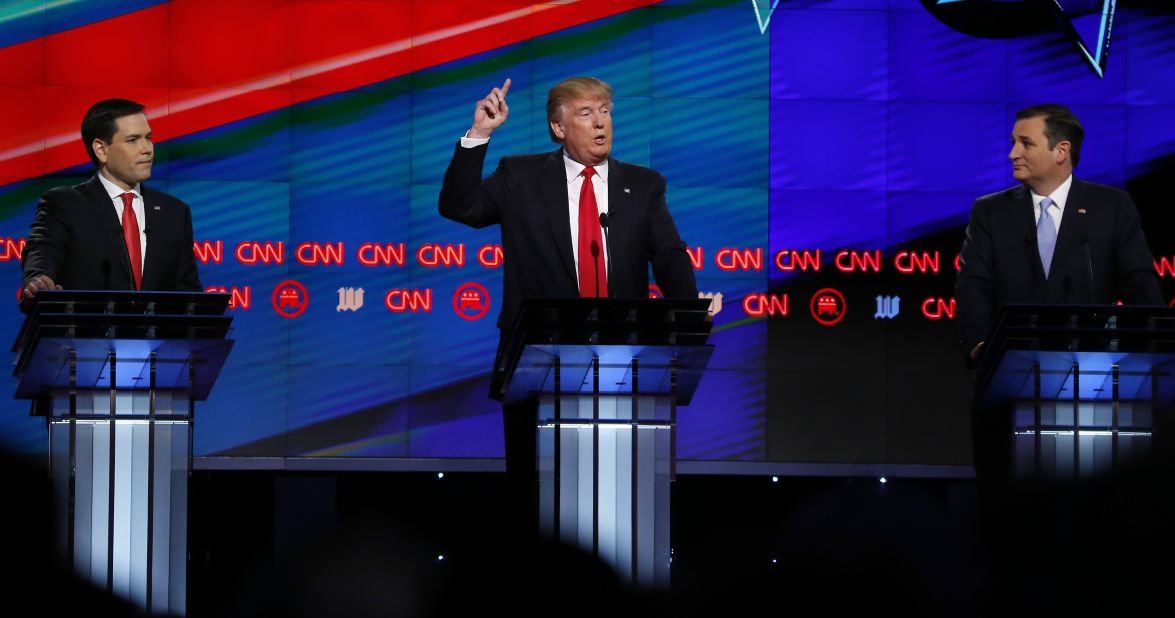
[100, 153]
[1062, 151]
[557, 129]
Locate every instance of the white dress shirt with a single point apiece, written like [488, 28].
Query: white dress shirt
[1057, 208]
[116, 192]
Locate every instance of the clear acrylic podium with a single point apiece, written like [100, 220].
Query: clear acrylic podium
[117, 375]
[607, 377]
[1089, 387]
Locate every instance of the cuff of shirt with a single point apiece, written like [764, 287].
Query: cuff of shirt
[473, 142]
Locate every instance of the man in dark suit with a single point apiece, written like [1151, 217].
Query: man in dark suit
[549, 206]
[111, 232]
[1099, 254]
[1053, 239]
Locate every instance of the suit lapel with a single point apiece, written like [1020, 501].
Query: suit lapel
[618, 208]
[1025, 221]
[554, 192]
[150, 222]
[1069, 236]
[107, 221]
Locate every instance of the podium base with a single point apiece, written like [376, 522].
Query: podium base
[120, 488]
[604, 480]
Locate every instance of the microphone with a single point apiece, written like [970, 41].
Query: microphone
[596, 257]
[1089, 268]
[605, 219]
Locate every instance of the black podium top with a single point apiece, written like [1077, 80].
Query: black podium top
[1138, 341]
[180, 330]
[660, 331]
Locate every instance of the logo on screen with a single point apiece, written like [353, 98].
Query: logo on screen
[828, 306]
[471, 301]
[350, 299]
[1086, 23]
[888, 307]
[290, 299]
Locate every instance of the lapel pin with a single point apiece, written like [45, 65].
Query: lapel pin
[627, 190]
[1080, 211]
[157, 208]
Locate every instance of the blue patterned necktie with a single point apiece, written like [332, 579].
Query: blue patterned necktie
[1046, 235]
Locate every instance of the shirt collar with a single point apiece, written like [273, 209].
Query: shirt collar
[116, 191]
[575, 168]
[1059, 196]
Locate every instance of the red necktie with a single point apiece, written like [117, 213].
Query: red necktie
[593, 276]
[130, 233]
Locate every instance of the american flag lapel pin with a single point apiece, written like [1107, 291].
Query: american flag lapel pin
[627, 190]
[1080, 211]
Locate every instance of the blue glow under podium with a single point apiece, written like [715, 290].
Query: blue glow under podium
[607, 377]
[1089, 388]
[117, 375]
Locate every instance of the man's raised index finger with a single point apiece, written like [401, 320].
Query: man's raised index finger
[505, 87]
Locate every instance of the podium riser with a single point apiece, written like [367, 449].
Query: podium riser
[596, 493]
[1090, 455]
[121, 520]
[1091, 439]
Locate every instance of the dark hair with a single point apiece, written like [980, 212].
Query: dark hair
[100, 122]
[573, 88]
[1060, 125]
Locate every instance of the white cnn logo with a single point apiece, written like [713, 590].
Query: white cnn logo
[350, 299]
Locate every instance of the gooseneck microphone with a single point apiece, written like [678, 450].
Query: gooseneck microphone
[605, 219]
[1089, 268]
[596, 257]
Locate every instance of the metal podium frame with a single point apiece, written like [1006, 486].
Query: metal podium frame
[117, 375]
[607, 377]
[1087, 386]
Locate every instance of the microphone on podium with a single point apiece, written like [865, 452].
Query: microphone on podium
[596, 257]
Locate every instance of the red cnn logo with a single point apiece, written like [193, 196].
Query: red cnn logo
[471, 301]
[290, 299]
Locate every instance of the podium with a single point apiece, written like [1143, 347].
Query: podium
[606, 377]
[117, 375]
[1089, 387]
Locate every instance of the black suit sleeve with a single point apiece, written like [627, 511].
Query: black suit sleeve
[1137, 282]
[672, 268]
[975, 283]
[465, 197]
[47, 242]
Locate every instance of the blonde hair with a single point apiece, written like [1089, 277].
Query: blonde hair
[570, 89]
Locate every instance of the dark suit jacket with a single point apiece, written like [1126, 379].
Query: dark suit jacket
[1001, 262]
[76, 239]
[527, 196]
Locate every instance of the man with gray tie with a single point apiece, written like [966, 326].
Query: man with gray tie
[1054, 239]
